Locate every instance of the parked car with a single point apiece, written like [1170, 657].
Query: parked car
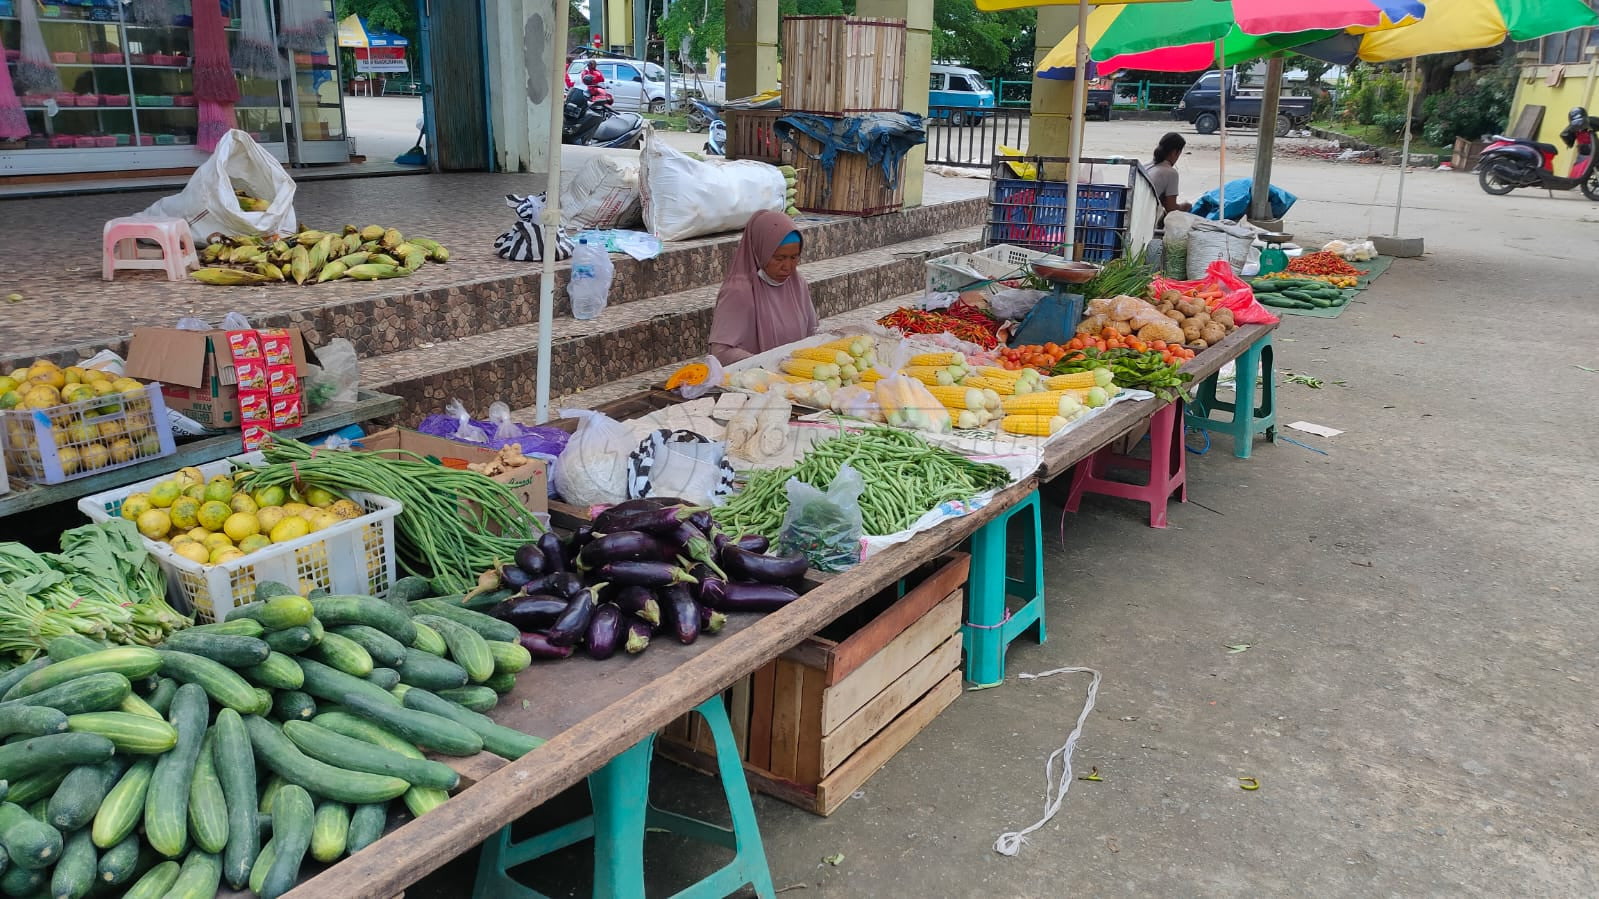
[637, 85]
[1201, 106]
[1101, 97]
[958, 95]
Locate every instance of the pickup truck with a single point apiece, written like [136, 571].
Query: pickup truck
[1101, 97]
[1201, 106]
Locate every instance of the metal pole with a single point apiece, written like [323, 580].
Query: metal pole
[1079, 105]
[1260, 189]
[552, 211]
[1404, 157]
[1221, 93]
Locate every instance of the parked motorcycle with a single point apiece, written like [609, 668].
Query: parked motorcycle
[591, 124]
[707, 116]
[1508, 163]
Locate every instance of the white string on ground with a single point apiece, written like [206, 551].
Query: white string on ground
[1055, 791]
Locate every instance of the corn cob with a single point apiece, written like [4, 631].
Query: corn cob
[1018, 374]
[870, 376]
[809, 368]
[836, 357]
[1092, 397]
[1001, 386]
[1098, 377]
[1033, 425]
[854, 346]
[959, 398]
[1046, 403]
[939, 359]
[932, 376]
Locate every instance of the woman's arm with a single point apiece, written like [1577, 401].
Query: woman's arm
[1169, 202]
[728, 355]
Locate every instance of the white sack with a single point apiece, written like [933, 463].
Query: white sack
[208, 201]
[685, 198]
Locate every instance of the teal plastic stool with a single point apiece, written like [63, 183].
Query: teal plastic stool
[1254, 368]
[622, 814]
[990, 624]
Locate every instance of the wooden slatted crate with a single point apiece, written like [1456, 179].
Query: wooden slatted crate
[749, 135]
[841, 65]
[856, 187]
[815, 724]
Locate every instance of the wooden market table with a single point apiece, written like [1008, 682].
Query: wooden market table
[367, 406]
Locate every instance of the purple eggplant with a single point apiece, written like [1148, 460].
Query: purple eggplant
[514, 576]
[682, 613]
[639, 602]
[745, 597]
[645, 574]
[742, 564]
[556, 583]
[755, 543]
[702, 519]
[583, 536]
[531, 559]
[654, 520]
[554, 556]
[694, 545]
[569, 627]
[638, 635]
[531, 613]
[623, 546]
[604, 631]
[540, 646]
[712, 621]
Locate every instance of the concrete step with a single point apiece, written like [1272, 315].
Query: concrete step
[631, 337]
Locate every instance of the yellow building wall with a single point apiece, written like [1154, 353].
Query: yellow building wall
[1579, 86]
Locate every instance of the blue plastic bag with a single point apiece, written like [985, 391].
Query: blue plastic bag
[1237, 205]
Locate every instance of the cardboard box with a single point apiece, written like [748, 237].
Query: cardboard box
[196, 371]
[530, 482]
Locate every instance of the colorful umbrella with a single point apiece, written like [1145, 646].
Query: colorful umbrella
[1456, 26]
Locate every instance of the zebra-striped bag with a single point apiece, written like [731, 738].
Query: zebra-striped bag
[526, 240]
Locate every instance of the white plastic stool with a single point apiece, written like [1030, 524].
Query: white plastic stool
[177, 247]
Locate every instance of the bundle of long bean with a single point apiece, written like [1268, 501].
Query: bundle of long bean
[904, 475]
[453, 524]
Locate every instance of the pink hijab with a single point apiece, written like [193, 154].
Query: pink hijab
[752, 315]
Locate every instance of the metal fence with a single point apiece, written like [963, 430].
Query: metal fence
[974, 141]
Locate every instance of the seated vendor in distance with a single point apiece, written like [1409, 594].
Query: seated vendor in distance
[764, 301]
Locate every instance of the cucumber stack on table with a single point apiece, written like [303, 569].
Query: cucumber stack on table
[1298, 293]
[236, 752]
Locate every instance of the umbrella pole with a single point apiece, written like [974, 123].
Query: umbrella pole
[1221, 191]
[552, 212]
[1404, 157]
[1079, 105]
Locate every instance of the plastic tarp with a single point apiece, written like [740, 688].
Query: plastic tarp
[882, 137]
[1237, 206]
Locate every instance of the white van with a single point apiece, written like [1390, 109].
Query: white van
[637, 86]
[958, 95]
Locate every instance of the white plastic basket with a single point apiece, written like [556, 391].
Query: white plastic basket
[5, 485]
[354, 556]
[999, 262]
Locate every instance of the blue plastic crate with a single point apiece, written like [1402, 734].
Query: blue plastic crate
[1032, 214]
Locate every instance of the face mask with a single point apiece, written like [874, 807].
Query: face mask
[772, 282]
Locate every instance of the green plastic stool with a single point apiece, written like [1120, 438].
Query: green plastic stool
[990, 625]
[622, 813]
[1253, 367]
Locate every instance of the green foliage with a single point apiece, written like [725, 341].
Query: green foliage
[706, 21]
[1376, 96]
[1475, 104]
[996, 44]
[398, 16]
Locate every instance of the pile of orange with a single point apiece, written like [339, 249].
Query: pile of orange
[1111, 339]
[1044, 358]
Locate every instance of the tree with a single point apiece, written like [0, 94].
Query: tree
[996, 44]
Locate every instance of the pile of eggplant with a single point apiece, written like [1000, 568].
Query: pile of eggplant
[643, 567]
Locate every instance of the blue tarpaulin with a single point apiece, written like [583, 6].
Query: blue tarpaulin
[882, 137]
[1238, 201]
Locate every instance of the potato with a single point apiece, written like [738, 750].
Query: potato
[1213, 333]
[1197, 344]
[1175, 316]
[1191, 331]
[1223, 315]
[1187, 307]
[1203, 318]
[1171, 295]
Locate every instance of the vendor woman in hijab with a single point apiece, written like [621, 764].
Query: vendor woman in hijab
[764, 301]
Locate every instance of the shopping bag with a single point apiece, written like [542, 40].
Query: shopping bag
[209, 202]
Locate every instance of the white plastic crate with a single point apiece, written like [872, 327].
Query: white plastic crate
[959, 271]
[75, 440]
[5, 485]
[354, 556]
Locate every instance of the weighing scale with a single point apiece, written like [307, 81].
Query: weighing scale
[1273, 259]
[1055, 318]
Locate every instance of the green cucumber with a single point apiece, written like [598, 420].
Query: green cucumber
[384, 649]
[131, 734]
[78, 798]
[238, 627]
[262, 864]
[330, 831]
[342, 653]
[166, 804]
[70, 646]
[134, 704]
[232, 651]
[220, 682]
[123, 807]
[160, 698]
[156, 882]
[408, 588]
[475, 698]
[318, 593]
[235, 767]
[317, 630]
[290, 641]
[76, 871]
[90, 693]
[468, 648]
[266, 590]
[429, 641]
[366, 826]
[500, 740]
[293, 820]
[501, 682]
[29, 842]
[276, 613]
[426, 670]
[333, 611]
[119, 863]
[129, 661]
[278, 672]
[384, 677]
[35, 754]
[37, 786]
[208, 810]
[509, 658]
[271, 792]
[479, 603]
[488, 627]
[31, 720]
[358, 755]
[328, 781]
[199, 877]
[372, 702]
[20, 881]
[293, 705]
[10, 678]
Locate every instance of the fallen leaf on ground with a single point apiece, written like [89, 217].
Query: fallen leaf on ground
[1235, 648]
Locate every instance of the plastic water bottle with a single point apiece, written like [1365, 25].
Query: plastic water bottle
[591, 279]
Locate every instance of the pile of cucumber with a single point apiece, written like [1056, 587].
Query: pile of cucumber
[1298, 293]
[237, 751]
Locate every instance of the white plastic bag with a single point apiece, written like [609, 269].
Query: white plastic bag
[466, 432]
[603, 195]
[687, 470]
[592, 469]
[685, 198]
[1013, 303]
[711, 382]
[504, 428]
[208, 201]
[825, 525]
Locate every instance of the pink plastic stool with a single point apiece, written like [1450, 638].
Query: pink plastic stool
[1167, 466]
[177, 247]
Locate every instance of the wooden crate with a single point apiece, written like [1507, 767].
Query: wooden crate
[1466, 153]
[813, 725]
[841, 65]
[856, 187]
[749, 135]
